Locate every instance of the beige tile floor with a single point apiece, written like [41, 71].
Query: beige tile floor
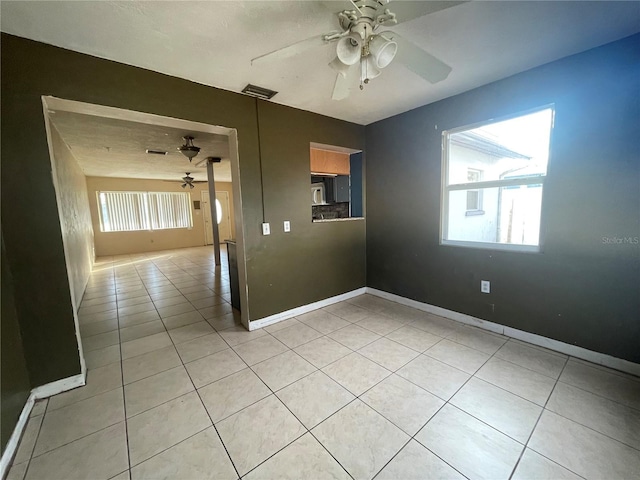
[361, 389]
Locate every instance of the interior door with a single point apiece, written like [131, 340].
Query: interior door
[223, 216]
[206, 215]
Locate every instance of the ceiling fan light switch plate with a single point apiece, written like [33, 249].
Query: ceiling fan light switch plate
[266, 229]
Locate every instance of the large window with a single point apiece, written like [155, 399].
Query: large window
[493, 179]
[131, 211]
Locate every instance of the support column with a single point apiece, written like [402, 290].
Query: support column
[212, 206]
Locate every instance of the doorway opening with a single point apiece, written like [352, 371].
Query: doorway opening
[87, 147]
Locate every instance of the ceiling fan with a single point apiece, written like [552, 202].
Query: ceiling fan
[188, 181]
[363, 49]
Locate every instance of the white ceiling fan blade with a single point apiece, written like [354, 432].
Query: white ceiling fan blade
[292, 50]
[408, 10]
[345, 82]
[339, 67]
[418, 61]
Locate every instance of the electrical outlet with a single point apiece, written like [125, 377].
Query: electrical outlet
[266, 230]
[287, 226]
[485, 286]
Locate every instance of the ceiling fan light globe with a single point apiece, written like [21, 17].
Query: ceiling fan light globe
[189, 151]
[382, 50]
[349, 49]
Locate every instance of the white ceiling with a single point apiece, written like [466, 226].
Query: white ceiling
[111, 147]
[212, 42]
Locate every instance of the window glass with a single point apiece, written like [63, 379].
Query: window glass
[123, 211]
[218, 212]
[131, 211]
[169, 210]
[494, 177]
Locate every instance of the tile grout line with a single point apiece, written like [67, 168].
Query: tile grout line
[122, 369]
[395, 372]
[515, 467]
[358, 397]
[124, 404]
[564, 382]
[124, 398]
[250, 367]
[447, 402]
[31, 457]
[197, 393]
[557, 380]
[308, 430]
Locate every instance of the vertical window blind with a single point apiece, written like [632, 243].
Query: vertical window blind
[169, 210]
[131, 211]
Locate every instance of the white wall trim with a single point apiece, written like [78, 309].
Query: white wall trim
[278, 317]
[65, 247]
[37, 393]
[59, 386]
[14, 440]
[238, 218]
[532, 338]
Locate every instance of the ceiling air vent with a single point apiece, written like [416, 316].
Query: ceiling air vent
[156, 152]
[259, 92]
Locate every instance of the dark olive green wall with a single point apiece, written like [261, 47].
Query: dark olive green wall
[276, 269]
[579, 290]
[319, 259]
[32, 233]
[15, 379]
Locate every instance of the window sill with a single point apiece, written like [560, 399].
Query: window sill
[506, 247]
[328, 220]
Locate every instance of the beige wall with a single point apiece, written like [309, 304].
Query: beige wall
[75, 218]
[118, 243]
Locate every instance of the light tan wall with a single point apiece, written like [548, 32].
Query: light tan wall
[118, 243]
[75, 218]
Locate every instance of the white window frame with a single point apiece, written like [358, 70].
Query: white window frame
[152, 218]
[446, 189]
[478, 209]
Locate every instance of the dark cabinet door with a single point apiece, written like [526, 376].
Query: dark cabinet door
[342, 188]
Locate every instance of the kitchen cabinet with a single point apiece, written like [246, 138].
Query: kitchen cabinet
[341, 188]
[325, 161]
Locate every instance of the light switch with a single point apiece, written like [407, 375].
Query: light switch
[266, 230]
[287, 226]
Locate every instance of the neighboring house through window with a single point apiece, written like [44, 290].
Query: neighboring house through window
[474, 198]
[493, 179]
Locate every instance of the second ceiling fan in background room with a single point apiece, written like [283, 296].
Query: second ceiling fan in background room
[363, 48]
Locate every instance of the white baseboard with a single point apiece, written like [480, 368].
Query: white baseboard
[278, 317]
[555, 345]
[44, 391]
[14, 440]
[59, 386]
